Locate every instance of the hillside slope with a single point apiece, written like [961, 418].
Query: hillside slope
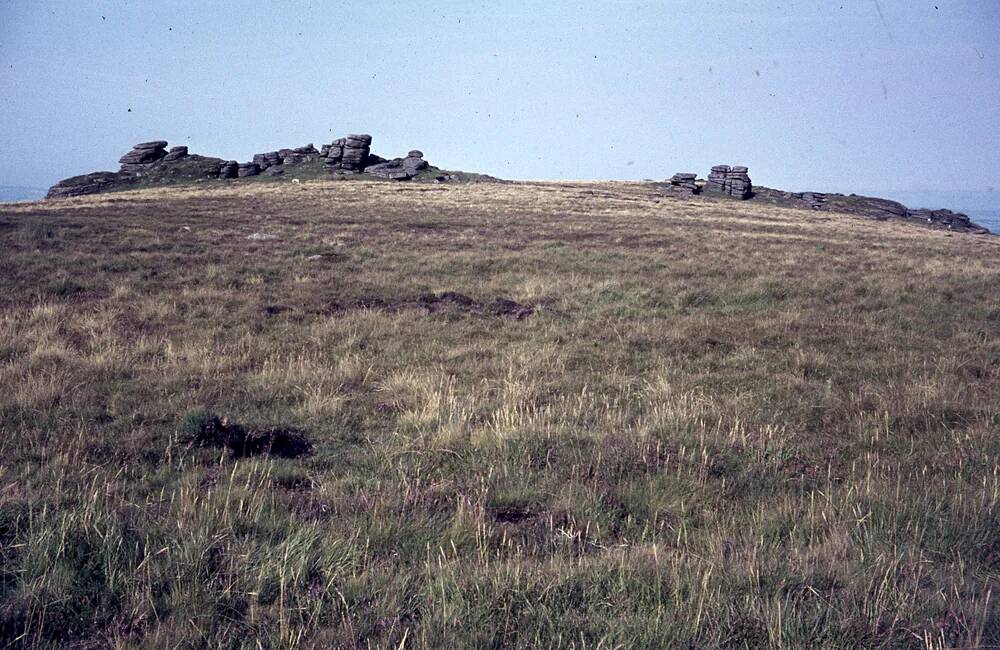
[388, 415]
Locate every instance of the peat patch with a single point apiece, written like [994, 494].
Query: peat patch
[511, 513]
[443, 302]
[452, 301]
[204, 429]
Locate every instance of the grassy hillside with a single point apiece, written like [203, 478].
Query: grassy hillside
[707, 424]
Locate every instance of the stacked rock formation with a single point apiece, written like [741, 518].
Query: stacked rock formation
[400, 169]
[247, 169]
[294, 156]
[348, 155]
[814, 200]
[683, 183]
[143, 155]
[229, 169]
[733, 181]
[298, 155]
[717, 179]
[265, 160]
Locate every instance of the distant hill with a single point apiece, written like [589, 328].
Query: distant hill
[21, 193]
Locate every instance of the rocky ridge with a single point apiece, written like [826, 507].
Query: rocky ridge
[734, 181]
[151, 162]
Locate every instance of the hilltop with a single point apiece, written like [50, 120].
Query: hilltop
[378, 414]
[150, 164]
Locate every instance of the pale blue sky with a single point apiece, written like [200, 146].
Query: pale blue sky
[850, 96]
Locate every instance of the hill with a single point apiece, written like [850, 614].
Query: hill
[150, 164]
[370, 414]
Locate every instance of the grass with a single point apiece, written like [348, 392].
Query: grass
[724, 425]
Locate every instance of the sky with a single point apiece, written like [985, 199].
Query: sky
[858, 96]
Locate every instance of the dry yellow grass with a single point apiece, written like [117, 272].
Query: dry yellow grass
[724, 425]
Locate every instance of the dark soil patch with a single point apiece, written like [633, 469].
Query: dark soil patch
[510, 309]
[434, 303]
[502, 307]
[511, 514]
[202, 429]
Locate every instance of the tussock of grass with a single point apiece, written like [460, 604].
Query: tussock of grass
[723, 425]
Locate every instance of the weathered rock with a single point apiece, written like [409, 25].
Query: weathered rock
[275, 170]
[229, 169]
[133, 169]
[349, 154]
[733, 181]
[200, 167]
[814, 200]
[414, 164]
[946, 218]
[400, 168]
[247, 169]
[142, 156]
[176, 153]
[683, 184]
[154, 144]
[87, 184]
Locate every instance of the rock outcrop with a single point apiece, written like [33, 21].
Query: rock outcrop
[399, 169]
[947, 218]
[143, 155]
[298, 155]
[683, 184]
[87, 184]
[247, 169]
[265, 160]
[348, 154]
[176, 153]
[733, 181]
[295, 156]
[867, 207]
[814, 200]
[229, 169]
[151, 164]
